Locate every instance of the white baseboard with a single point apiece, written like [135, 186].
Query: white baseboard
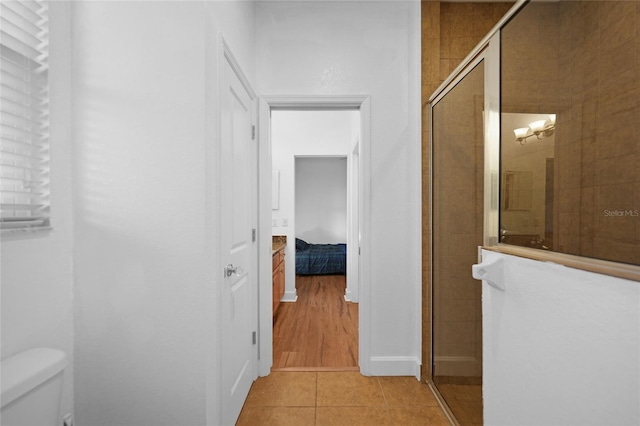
[395, 366]
[351, 296]
[289, 296]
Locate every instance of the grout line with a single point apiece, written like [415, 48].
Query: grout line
[384, 397]
[316, 369]
[386, 403]
[315, 419]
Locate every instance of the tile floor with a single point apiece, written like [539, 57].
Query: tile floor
[339, 398]
[465, 401]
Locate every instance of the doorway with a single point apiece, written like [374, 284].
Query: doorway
[314, 326]
[268, 107]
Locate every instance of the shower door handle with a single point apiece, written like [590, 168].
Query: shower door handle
[491, 271]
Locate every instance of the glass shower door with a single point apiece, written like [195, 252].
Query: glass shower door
[457, 224]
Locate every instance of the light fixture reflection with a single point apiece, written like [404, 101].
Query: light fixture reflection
[521, 133]
[538, 128]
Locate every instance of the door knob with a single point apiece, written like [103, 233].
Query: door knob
[230, 270]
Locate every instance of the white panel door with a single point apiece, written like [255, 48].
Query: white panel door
[239, 293]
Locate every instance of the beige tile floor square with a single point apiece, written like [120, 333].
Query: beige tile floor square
[339, 398]
[277, 416]
[406, 392]
[465, 401]
[353, 416]
[283, 389]
[348, 389]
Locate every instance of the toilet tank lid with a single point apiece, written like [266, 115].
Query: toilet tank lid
[26, 370]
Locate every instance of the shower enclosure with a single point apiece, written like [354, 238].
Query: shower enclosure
[533, 151]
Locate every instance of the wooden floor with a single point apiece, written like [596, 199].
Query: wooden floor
[319, 332]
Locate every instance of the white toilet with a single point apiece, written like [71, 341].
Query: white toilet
[32, 388]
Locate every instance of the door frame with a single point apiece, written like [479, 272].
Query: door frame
[265, 319]
[352, 293]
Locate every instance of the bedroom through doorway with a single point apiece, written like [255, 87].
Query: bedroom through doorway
[314, 223]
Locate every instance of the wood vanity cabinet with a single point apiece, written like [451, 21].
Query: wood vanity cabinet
[278, 278]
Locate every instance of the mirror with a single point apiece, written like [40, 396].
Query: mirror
[527, 182]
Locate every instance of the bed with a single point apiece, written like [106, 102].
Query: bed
[320, 259]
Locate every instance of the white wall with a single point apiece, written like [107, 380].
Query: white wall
[302, 133]
[146, 229]
[37, 268]
[321, 200]
[370, 48]
[561, 346]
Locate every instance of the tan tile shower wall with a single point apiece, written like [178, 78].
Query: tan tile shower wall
[530, 61]
[600, 73]
[430, 48]
[462, 26]
[449, 33]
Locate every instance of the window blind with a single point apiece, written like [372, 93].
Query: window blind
[24, 114]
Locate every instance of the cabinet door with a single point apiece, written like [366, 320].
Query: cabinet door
[276, 297]
[278, 279]
[281, 280]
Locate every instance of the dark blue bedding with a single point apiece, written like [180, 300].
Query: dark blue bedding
[318, 259]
